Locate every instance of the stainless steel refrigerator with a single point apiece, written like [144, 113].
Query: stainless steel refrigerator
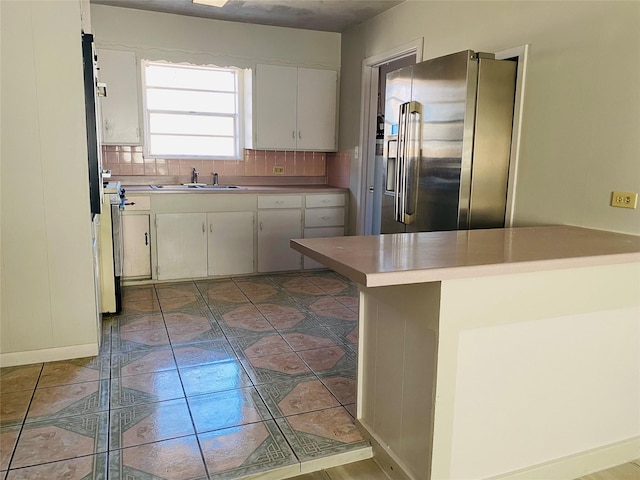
[447, 139]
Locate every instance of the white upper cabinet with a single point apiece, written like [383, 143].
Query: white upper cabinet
[295, 108]
[120, 123]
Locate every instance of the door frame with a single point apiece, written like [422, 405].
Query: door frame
[369, 102]
[520, 52]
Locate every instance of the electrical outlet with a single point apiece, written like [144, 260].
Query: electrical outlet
[278, 170]
[624, 199]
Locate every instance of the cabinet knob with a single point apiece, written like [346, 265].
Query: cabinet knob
[293, 134]
[260, 225]
[203, 229]
[299, 133]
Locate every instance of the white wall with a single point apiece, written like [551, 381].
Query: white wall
[580, 136]
[161, 36]
[48, 301]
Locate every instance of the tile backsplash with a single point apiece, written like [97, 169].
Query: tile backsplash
[128, 160]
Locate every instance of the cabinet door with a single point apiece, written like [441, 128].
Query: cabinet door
[275, 229]
[137, 246]
[230, 243]
[316, 109]
[320, 233]
[276, 107]
[119, 70]
[181, 240]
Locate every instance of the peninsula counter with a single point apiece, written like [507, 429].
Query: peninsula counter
[503, 353]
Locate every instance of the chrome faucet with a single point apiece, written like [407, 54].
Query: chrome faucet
[215, 179]
[194, 176]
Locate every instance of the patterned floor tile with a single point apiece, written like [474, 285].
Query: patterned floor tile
[275, 368]
[8, 437]
[15, 379]
[330, 360]
[145, 388]
[240, 327]
[61, 439]
[225, 299]
[149, 422]
[330, 284]
[298, 396]
[205, 352]
[233, 311]
[310, 338]
[176, 459]
[323, 302]
[13, 407]
[260, 346]
[337, 316]
[220, 285]
[150, 305]
[69, 400]
[246, 450]
[181, 303]
[321, 433]
[297, 318]
[145, 321]
[74, 371]
[177, 290]
[214, 377]
[195, 333]
[343, 386]
[142, 361]
[92, 467]
[188, 317]
[351, 408]
[348, 301]
[347, 332]
[139, 294]
[230, 408]
[138, 339]
[277, 306]
[268, 293]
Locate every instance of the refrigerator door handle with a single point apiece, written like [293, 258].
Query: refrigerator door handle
[407, 168]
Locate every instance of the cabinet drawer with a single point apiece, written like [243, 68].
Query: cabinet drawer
[138, 203]
[280, 201]
[324, 217]
[325, 200]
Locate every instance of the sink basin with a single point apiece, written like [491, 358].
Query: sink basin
[197, 186]
[174, 187]
[223, 187]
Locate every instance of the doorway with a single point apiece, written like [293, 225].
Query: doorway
[375, 68]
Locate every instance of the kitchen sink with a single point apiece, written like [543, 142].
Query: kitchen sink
[197, 187]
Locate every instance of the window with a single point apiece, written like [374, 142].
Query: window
[192, 111]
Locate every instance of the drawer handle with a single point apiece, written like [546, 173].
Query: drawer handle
[325, 218]
[279, 202]
[326, 200]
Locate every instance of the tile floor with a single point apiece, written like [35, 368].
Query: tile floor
[211, 379]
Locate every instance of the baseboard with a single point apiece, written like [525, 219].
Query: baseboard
[579, 464]
[565, 468]
[11, 359]
[383, 456]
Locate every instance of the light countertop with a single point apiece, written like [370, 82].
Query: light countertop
[249, 189]
[397, 259]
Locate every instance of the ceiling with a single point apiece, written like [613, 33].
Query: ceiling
[324, 15]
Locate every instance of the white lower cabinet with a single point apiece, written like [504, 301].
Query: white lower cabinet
[275, 229]
[230, 243]
[181, 245]
[137, 246]
[320, 233]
